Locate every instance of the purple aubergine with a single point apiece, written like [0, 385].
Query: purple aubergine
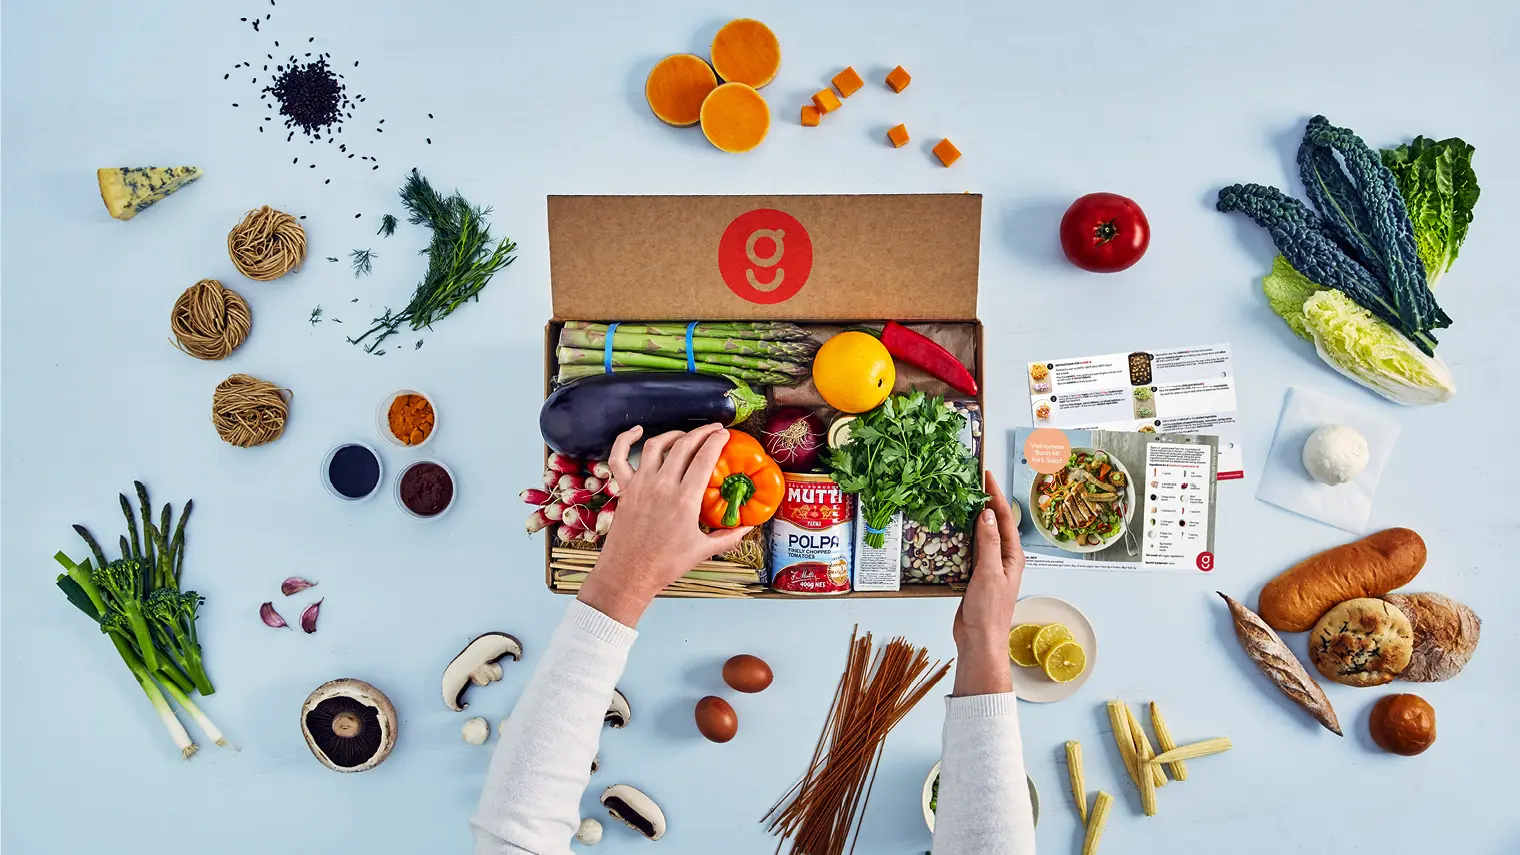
[583, 417]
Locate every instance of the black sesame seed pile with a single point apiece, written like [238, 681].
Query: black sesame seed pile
[311, 97]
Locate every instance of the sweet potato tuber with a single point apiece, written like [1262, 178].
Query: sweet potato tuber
[898, 78]
[898, 136]
[810, 116]
[676, 87]
[735, 118]
[826, 101]
[848, 82]
[746, 51]
[946, 151]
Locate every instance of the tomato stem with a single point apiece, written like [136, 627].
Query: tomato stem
[1106, 231]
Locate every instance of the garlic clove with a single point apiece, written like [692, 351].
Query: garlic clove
[295, 585]
[271, 617]
[309, 617]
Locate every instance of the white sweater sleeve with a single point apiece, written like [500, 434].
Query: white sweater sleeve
[530, 804]
[983, 803]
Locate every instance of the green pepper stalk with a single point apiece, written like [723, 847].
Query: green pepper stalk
[121, 584]
[736, 489]
[172, 615]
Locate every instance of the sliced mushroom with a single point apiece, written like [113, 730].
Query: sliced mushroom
[477, 663]
[619, 713]
[349, 725]
[596, 764]
[636, 810]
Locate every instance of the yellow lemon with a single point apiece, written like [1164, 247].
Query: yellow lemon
[1047, 638]
[1065, 662]
[1021, 645]
[853, 372]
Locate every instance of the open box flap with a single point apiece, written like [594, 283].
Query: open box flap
[909, 257]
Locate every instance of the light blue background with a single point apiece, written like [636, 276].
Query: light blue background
[1163, 101]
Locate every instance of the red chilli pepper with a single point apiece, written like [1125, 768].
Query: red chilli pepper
[924, 352]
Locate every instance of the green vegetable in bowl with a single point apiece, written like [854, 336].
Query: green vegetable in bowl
[1440, 190]
[934, 797]
[1354, 343]
[1142, 393]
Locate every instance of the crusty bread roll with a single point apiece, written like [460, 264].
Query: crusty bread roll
[1445, 635]
[1370, 567]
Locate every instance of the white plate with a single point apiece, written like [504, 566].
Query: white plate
[1068, 546]
[1034, 798]
[1031, 684]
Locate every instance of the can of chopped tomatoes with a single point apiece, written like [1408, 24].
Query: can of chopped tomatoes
[812, 537]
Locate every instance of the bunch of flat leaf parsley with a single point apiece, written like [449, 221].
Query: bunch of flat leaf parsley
[906, 455]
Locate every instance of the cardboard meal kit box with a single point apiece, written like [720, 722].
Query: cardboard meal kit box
[826, 262]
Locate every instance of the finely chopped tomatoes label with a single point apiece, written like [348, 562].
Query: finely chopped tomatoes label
[765, 256]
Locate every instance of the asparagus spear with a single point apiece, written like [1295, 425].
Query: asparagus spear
[763, 378]
[148, 556]
[676, 345]
[126, 511]
[752, 330]
[177, 545]
[578, 356]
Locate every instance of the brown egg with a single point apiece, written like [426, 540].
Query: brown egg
[746, 673]
[1403, 724]
[716, 719]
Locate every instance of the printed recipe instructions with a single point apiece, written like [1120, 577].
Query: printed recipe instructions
[1184, 390]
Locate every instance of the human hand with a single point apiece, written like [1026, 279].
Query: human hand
[986, 612]
[654, 538]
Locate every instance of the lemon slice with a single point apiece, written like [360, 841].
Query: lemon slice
[1047, 638]
[1021, 645]
[1065, 662]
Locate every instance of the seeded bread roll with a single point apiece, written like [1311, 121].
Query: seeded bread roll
[1370, 567]
[1364, 642]
[1445, 635]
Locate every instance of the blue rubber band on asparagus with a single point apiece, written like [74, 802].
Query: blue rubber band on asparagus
[691, 358]
[607, 349]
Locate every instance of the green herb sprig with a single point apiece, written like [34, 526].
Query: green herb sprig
[906, 455]
[461, 260]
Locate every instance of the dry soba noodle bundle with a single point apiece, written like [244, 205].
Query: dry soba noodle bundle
[210, 321]
[248, 411]
[267, 244]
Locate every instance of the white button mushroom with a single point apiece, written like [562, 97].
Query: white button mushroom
[590, 832]
[1335, 454]
[476, 731]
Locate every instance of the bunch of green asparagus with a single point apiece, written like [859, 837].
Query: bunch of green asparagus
[764, 352]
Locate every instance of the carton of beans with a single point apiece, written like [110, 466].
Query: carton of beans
[812, 537]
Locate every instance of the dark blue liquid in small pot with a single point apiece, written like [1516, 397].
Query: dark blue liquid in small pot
[354, 471]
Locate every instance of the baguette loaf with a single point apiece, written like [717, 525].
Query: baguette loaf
[1370, 567]
[1275, 660]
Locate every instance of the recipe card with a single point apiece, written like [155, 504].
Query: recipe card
[1115, 500]
[1188, 390]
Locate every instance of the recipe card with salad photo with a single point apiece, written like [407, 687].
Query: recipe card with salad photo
[1184, 390]
[1116, 500]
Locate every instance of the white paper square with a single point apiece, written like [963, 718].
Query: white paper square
[1285, 482]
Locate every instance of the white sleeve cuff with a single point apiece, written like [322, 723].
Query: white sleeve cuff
[981, 706]
[599, 626]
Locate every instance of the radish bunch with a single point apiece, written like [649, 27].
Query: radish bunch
[576, 501]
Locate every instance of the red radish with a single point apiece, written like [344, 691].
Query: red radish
[609, 505]
[566, 535]
[612, 488]
[554, 511]
[576, 516]
[564, 464]
[793, 437]
[604, 520]
[595, 484]
[576, 497]
[551, 479]
[571, 482]
[535, 497]
[537, 521]
[600, 469]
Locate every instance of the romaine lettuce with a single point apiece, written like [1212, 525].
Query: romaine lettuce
[1440, 190]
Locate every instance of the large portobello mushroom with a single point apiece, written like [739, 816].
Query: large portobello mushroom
[583, 417]
[349, 725]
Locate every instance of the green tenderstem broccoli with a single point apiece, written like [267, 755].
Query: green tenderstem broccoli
[172, 616]
[121, 584]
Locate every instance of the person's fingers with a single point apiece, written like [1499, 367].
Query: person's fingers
[684, 449]
[701, 469]
[617, 461]
[723, 540]
[653, 458]
[989, 547]
[1008, 528]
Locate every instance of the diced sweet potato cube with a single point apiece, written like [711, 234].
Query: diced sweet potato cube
[946, 151]
[898, 136]
[898, 78]
[810, 116]
[848, 82]
[826, 101]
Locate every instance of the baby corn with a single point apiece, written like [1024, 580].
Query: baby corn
[1123, 739]
[1143, 750]
[1164, 741]
[1095, 825]
[1217, 745]
[1074, 771]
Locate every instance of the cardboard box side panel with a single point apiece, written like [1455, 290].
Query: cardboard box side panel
[908, 257]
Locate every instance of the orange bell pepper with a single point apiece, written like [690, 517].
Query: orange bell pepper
[746, 486]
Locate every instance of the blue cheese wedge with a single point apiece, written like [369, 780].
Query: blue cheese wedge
[127, 190]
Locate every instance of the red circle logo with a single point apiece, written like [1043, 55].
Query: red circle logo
[765, 256]
[1205, 561]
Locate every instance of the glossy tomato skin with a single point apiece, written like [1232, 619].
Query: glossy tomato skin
[1104, 233]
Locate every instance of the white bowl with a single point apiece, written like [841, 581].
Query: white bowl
[1068, 546]
[1034, 798]
[413, 514]
[327, 482]
[383, 420]
[1031, 684]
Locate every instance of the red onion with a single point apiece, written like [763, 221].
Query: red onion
[793, 437]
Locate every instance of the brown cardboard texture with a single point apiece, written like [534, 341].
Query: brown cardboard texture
[905, 257]
[826, 262]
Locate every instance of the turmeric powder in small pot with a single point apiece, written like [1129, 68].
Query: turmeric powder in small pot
[411, 419]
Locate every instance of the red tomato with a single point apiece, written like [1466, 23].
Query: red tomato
[1104, 232]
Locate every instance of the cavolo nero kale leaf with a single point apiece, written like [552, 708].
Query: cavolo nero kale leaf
[906, 455]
